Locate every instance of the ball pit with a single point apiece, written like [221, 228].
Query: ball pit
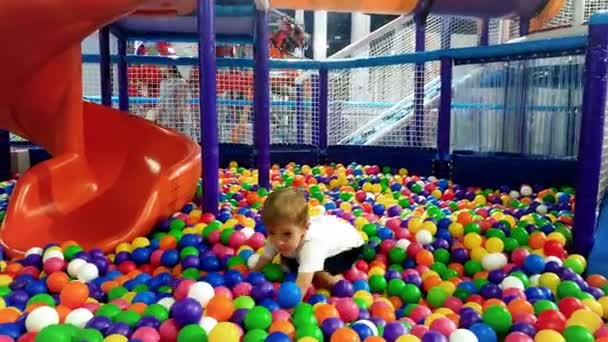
[441, 263]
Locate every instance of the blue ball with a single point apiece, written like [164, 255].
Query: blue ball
[214, 279]
[483, 332]
[254, 278]
[36, 287]
[289, 295]
[360, 285]
[270, 304]
[278, 336]
[141, 256]
[232, 278]
[209, 263]
[534, 264]
[378, 209]
[385, 233]
[317, 298]
[169, 258]
[363, 330]
[145, 297]
[189, 240]
[11, 329]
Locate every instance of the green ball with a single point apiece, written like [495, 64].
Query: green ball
[255, 335]
[303, 315]
[310, 331]
[177, 224]
[521, 235]
[208, 230]
[234, 261]
[396, 255]
[437, 296]
[89, 335]
[377, 283]
[575, 265]
[157, 311]
[542, 305]
[188, 251]
[44, 298]
[442, 255]
[471, 267]
[191, 273]
[575, 333]
[5, 291]
[493, 232]
[510, 244]
[395, 287]
[568, 288]
[129, 317]
[117, 293]
[108, 310]
[472, 228]
[370, 229]
[192, 333]
[498, 318]
[461, 294]
[225, 235]
[70, 251]
[410, 294]
[368, 253]
[56, 333]
[273, 272]
[244, 302]
[258, 318]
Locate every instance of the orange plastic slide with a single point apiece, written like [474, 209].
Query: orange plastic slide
[112, 175]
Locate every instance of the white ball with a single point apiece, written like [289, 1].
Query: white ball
[167, 302]
[34, 250]
[514, 194]
[526, 190]
[202, 292]
[247, 232]
[207, 323]
[463, 335]
[53, 253]
[432, 179]
[79, 317]
[403, 244]
[542, 209]
[40, 318]
[533, 280]
[493, 261]
[74, 265]
[253, 260]
[371, 325]
[555, 259]
[87, 272]
[424, 237]
[512, 282]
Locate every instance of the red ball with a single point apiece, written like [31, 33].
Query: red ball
[207, 218]
[360, 196]
[146, 268]
[348, 309]
[568, 305]
[29, 337]
[551, 319]
[386, 246]
[30, 270]
[554, 248]
[393, 224]
[236, 240]
[519, 255]
[362, 265]
[214, 237]
[256, 241]
[54, 265]
[155, 258]
[168, 330]
[518, 336]
[127, 266]
[413, 249]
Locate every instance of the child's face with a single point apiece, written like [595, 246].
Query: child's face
[286, 237]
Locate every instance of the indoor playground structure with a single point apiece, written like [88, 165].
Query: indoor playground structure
[464, 141]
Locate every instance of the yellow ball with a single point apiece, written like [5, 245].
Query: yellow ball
[115, 338]
[364, 296]
[324, 292]
[308, 339]
[430, 227]
[233, 165]
[472, 240]
[549, 280]
[5, 280]
[448, 286]
[346, 206]
[414, 225]
[444, 311]
[556, 236]
[474, 306]
[586, 319]
[547, 335]
[477, 253]
[511, 220]
[594, 306]
[376, 271]
[224, 331]
[429, 273]
[124, 247]
[456, 229]
[408, 338]
[129, 296]
[403, 172]
[480, 199]
[604, 303]
[2, 303]
[494, 245]
[189, 230]
[429, 320]
[580, 258]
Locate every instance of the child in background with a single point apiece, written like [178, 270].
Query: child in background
[174, 111]
[320, 249]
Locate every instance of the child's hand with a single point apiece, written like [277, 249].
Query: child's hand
[304, 280]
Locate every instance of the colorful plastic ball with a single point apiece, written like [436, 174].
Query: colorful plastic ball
[192, 333]
[548, 336]
[289, 295]
[225, 331]
[258, 317]
[278, 337]
[186, 311]
[344, 335]
[79, 317]
[255, 335]
[483, 332]
[40, 318]
[463, 335]
[202, 292]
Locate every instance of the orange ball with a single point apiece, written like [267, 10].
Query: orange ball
[344, 335]
[464, 217]
[430, 282]
[374, 339]
[220, 308]
[384, 311]
[537, 240]
[493, 302]
[596, 280]
[74, 295]
[167, 242]
[518, 306]
[138, 307]
[108, 285]
[425, 258]
[9, 315]
[325, 311]
[56, 281]
[283, 326]
[63, 312]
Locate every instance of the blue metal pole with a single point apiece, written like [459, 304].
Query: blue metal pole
[589, 163]
[419, 82]
[5, 155]
[445, 110]
[105, 66]
[261, 95]
[300, 113]
[323, 107]
[484, 37]
[208, 105]
[123, 78]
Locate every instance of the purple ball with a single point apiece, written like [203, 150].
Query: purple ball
[496, 276]
[596, 292]
[18, 297]
[191, 261]
[99, 323]
[262, 291]
[490, 290]
[433, 336]
[393, 330]
[392, 274]
[32, 260]
[343, 288]
[239, 316]
[468, 318]
[377, 321]
[148, 321]
[330, 325]
[363, 314]
[394, 211]
[120, 329]
[460, 255]
[525, 328]
[186, 311]
[413, 279]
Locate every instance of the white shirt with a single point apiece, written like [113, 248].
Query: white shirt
[327, 236]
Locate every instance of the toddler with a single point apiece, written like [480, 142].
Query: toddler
[319, 249]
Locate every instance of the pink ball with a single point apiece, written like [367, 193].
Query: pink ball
[508, 268]
[386, 246]
[241, 289]
[155, 257]
[256, 241]
[419, 330]
[601, 332]
[53, 265]
[121, 303]
[394, 224]
[401, 233]
[348, 310]
[361, 265]
[413, 249]
[280, 315]
[93, 307]
[453, 303]
[214, 237]
[410, 271]
[146, 334]
[421, 269]
[407, 320]
[4, 338]
[518, 336]
[382, 258]
[519, 255]
[236, 240]
[354, 274]
[168, 330]
[181, 291]
[223, 291]
[30, 270]
[444, 325]
[419, 313]
[514, 292]
[524, 317]
[222, 251]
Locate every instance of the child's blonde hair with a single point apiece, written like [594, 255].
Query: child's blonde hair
[285, 206]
